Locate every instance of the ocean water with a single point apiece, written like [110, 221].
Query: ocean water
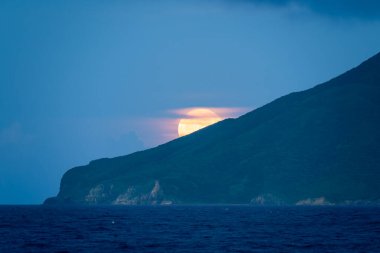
[189, 229]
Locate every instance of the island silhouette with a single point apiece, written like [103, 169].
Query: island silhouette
[320, 146]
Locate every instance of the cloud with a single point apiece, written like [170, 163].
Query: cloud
[126, 143]
[365, 9]
[158, 130]
[223, 112]
[13, 134]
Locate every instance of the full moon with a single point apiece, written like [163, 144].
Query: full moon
[195, 120]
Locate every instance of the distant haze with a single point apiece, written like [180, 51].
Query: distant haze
[81, 80]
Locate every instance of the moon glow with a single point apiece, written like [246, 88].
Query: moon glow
[196, 119]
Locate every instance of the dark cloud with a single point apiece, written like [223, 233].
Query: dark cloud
[364, 9]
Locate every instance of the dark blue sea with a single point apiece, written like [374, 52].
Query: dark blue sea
[189, 229]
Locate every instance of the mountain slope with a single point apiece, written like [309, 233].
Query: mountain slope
[322, 142]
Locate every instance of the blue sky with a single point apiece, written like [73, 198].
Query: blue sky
[81, 80]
